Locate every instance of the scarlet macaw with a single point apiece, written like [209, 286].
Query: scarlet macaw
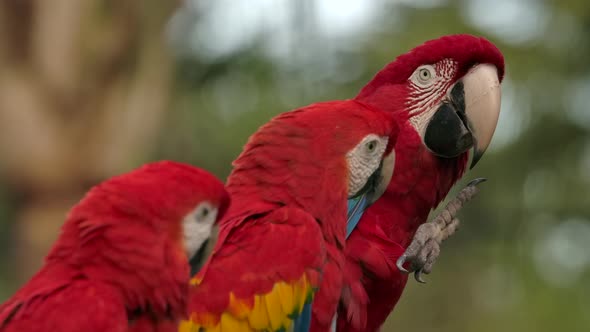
[121, 261]
[281, 243]
[445, 97]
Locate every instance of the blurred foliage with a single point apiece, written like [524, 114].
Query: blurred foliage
[521, 261]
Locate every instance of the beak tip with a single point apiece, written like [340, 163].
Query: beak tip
[476, 157]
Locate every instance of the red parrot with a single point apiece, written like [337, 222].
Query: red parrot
[122, 256]
[445, 97]
[280, 245]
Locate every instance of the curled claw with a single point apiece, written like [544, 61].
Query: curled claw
[400, 263]
[417, 273]
[475, 182]
[418, 276]
[424, 249]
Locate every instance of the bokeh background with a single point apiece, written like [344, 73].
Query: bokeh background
[93, 88]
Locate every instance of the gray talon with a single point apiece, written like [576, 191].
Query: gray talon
[418, 277]
[400, 264]
[424, 249]
[477, 181]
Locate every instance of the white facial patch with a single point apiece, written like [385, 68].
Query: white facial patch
[197, 227]
[428, 85]
[363, 161]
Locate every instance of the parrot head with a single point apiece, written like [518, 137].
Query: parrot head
[176, 199]
[317, 154]
[139, 230]
[370, 167]
[448, 88]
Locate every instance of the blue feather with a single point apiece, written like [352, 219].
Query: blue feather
[303, 322]
[356, 208]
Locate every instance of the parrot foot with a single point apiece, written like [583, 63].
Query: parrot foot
[425, 247]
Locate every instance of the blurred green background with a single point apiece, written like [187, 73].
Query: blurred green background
[92, 88]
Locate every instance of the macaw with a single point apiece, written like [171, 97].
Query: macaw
[445, 97]
[280, 245]
[121, 261]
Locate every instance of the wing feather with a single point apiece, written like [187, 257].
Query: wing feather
[260, 276]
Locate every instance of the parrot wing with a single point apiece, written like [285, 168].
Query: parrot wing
[356, 208]
[369, 253]
[261, 274]
[79, 306]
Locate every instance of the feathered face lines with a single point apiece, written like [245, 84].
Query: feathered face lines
[449, 90]
[428, 85]
[464, 50]
[364, 161]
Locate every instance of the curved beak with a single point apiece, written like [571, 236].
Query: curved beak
[468, 116]
[197, 261]
[482, 106]
[373, 189]
[382, 178]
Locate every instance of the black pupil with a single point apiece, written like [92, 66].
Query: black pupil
[371, 146]
[205, 212]
[424, 73]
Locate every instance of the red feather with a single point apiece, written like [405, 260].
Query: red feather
[287, 219]
[119, 255]
[420, 181]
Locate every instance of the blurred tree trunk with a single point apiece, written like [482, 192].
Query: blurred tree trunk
[83, 88]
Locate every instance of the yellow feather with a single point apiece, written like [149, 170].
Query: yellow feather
[187, 326]
[237, 307]
[302, 289]
[258, 317]
[215, 328]
[286, 294]
[196, 280]
[273, 306]
[297, 295]
[229, 323]
[307, 284]
[270, 311]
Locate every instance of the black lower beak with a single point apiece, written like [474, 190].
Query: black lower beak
[447, 134]
[477, 154]
[198, 260]
[365, 197]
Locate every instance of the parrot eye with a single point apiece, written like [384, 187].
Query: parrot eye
[203, 212]
[371, 146]
[197, 226]
[423, 75]
[363, 160]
